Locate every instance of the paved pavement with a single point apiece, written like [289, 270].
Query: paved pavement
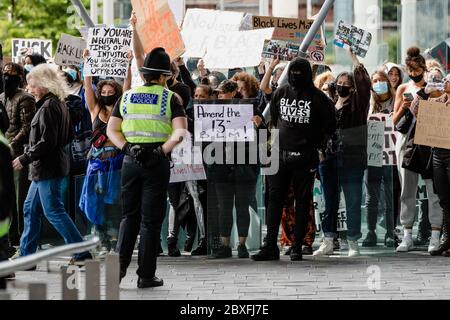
[413, 275]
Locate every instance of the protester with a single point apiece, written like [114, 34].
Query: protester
[142, 131]
[20, 110]
[403, 119]
[395, 74]
[304, 117]
[49, 163]
[32, 60]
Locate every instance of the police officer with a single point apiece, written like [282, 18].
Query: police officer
[8, 200]
[145, 124]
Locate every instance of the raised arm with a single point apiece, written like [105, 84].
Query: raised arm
[138, 49]
[265, 82]
[129, 78]
[89, 93]
[185, 75]
[362, 85]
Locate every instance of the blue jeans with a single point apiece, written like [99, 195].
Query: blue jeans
[45, 198]
[329, 179]
[351, 182]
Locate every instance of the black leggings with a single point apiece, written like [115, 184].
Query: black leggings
[441, 179]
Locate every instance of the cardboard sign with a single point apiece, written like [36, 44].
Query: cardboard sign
[223, 122]
[319, 208]
[157, 27]
[279, 48]
[350, 36]
[236, 49]
[433, 125]
[23, 47]
[187, 162]
[375, 143]
[69, 50]
[200, 26]
[390, 138]
[108, 49]
[295, 30]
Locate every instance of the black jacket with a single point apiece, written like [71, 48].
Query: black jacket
[303, 114]
[6, 182]
[50, 134]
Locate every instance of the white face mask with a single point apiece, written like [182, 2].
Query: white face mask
[28, 67]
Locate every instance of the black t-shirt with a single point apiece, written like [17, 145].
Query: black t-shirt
[183, 91]
[304, 118]
[175, 107]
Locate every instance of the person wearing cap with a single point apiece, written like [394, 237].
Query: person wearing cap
[144, 125]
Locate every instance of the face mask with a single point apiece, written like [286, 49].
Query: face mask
[298, 80]
[72, 73]
[380, 88]
[108, 100]
[28, 67]
[416, 79]
[12, 82]
[343, 91]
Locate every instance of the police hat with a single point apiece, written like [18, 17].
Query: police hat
[157, 62]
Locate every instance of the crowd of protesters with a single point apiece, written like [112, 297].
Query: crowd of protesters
[55, 128]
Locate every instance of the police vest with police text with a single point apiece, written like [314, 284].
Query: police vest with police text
[146, 114]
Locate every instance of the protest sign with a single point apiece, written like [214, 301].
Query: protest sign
[200, 26]
[108, 48]
[375, 143]
[178, 8]
[350, 36]
[236, 49]
[69, 50]
[187, 161]
[319, 208]
[223, 122]
[279, 48]
[23, 47]
[433, 125]
[390, 138]
[157, 27]
[294, 30]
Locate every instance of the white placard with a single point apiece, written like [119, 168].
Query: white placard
[236, 49]
[319, 208]
[375, 143]
[178, 8]
[187, 162]
[23, 47]
[201, 26]
[390, 138]
[69, 50]
[108, 49]
[223, 122]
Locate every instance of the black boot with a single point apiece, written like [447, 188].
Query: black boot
[267, 252]
[172, 247]
[370, 240]
[201, 250]
[444, 246]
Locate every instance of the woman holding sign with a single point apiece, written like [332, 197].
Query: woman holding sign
[101, 187]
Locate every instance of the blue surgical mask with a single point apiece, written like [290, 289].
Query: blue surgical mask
[28, 67]
[380, 87]
[72, 73]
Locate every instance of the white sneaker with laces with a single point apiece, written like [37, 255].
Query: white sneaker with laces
[326, 248]
[406, 245]
[434, 244]
[353, 248]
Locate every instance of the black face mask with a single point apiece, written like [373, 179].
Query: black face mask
[416, 79]
[299, 81]
[12, 83]
[109, 100]
[343, 91]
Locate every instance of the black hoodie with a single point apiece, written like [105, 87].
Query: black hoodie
[304, 115]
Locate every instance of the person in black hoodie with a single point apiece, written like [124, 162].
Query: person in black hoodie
[304, 117]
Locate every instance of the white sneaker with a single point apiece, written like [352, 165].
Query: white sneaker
[326, 248]
[343, 244]
[406, 245]
[434, 245]
[353, 248]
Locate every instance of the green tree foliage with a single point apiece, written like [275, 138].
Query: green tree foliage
[390, 10]
[44, 19]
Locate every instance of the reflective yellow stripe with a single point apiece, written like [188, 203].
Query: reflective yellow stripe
[4, 227]
[145, 134]
[145, 117]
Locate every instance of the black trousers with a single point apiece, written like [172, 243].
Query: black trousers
[4, 244]
[441, 179]
[299, 171]
[22, 185]
[144, 204]
[175, 193]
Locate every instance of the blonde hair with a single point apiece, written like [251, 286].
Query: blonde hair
[323, 78]
[50, 79]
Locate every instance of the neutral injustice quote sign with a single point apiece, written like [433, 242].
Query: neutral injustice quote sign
[108, 48]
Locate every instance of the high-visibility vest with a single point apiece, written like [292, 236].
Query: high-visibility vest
[146, 114]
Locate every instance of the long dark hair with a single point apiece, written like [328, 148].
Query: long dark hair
[117, 89]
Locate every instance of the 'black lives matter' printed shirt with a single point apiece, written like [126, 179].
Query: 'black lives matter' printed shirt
[305, 118]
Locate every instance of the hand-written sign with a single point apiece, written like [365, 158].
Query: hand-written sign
[390, 138]
[319, 208]
[223, 122]
[433, 124]
[375, 143]
[69, 50]
[23, 47]
[108, 49]
[187, 162]
[157, 27]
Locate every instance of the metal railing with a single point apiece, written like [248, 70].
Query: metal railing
[70, 275]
